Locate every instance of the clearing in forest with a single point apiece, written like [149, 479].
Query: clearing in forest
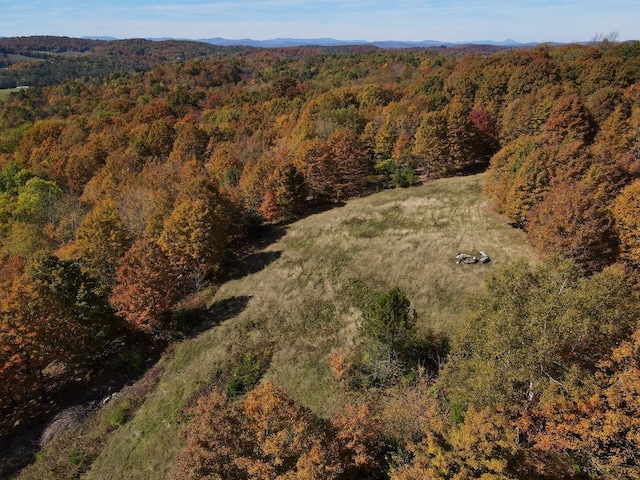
[295, 303]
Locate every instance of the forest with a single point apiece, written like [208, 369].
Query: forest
[132, 179]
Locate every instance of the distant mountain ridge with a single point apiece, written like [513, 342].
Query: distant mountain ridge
[331, 42]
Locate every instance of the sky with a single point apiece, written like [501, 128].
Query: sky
[406, 20]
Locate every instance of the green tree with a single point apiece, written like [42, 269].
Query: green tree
[12, 178]
[389, 319]
[78, 292]
[100, 241]
[536, 328]
[36, 201]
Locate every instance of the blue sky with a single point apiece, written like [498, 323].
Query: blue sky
[454, 20]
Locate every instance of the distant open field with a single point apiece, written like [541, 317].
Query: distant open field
[295, 300]
[15, 58]
[4, 92]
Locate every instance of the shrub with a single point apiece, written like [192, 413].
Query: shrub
[120, 414]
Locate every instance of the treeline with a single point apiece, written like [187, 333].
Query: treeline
[31, 45]
[41, 61]
[121, 195]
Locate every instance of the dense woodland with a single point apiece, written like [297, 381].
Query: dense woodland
[124, 193]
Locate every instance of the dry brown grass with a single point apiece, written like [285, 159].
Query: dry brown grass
[301, 305]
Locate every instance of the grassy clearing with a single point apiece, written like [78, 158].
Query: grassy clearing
[4, 92]
[301, 305]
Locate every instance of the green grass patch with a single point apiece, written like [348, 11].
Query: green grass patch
[120, 413]
[248, 372]
[4, 92]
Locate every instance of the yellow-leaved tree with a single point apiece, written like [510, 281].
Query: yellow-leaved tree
[196, 233]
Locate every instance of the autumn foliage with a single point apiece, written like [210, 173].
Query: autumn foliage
[147, 286]
[134, 184]
[37, 330]
[266, 436]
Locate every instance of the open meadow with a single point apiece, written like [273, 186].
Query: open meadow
[4, 92]
[300, 303]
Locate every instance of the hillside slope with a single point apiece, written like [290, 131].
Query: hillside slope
[300, 306]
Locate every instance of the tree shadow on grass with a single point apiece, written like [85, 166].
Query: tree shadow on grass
[325, 207]
[251, 263]
[195, 321]
[247, 255]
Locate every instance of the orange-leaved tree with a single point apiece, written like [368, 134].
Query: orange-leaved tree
[358, 436]
[266, 436]
[594, 430]
[286, 196]
[482, 445]
[626, 211]
[338, 167]
[147, 286]
[36, 330]
[572, 222]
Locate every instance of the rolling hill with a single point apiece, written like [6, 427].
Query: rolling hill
[294, 303]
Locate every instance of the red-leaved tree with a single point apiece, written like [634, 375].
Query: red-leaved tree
[147, 286]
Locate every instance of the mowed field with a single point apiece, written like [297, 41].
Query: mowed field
[296, 302]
